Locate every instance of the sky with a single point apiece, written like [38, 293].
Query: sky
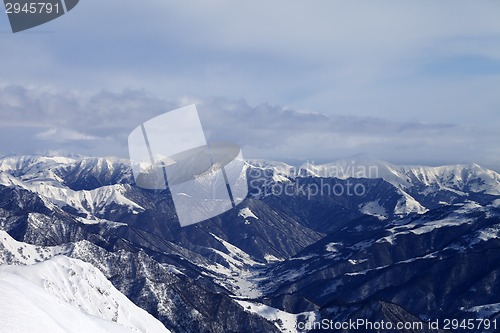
[411, 82]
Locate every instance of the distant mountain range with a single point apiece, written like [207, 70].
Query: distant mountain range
[357, 238]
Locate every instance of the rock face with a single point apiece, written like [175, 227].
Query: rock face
[400, 244]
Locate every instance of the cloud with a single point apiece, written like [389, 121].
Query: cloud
[99, 124]
[62, 135]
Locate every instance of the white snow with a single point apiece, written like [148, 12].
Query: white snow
[333, 247]
[467, 206]
[458, 179]
[421, 227]
[408, 204]
[67, 295]
[486, 234]
[430, 226]
[31, 164]
[246, 213]
[280, 178]
[89, 202]
[267, 168]
[373, 208]
[272, 259]
[284, 321]
[28, 308]
[485, 311]
[19, 253]
[8, 180]
[240, 276]
[306, 257]
[454, 178]
[238, 257]
[37, 174]
[357, 262]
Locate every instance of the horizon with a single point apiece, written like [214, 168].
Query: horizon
[295, 163]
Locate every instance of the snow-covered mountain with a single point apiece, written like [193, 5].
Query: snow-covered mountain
[460, 179]
[421, 187]
[54, 293]
[455, 178]
[302, 247]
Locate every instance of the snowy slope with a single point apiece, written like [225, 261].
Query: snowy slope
[286, 322]
[459, 177]
[89, 202]
[44, 176]
[13, 252]
[67, 295]
[373, 208]
[420, 187]
[28, 308]
[22, 165]
[48, 177]
[456, 178]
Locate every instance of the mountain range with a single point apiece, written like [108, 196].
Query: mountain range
[357, 238]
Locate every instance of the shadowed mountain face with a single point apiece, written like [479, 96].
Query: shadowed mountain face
[335, 241]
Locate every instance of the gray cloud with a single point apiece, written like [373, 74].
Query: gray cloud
[98, 124]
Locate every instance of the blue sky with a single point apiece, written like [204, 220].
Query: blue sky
[406, 81]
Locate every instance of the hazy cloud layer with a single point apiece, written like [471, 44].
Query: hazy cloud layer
[98, 124]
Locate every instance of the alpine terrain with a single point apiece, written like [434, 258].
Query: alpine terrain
[83, 249]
